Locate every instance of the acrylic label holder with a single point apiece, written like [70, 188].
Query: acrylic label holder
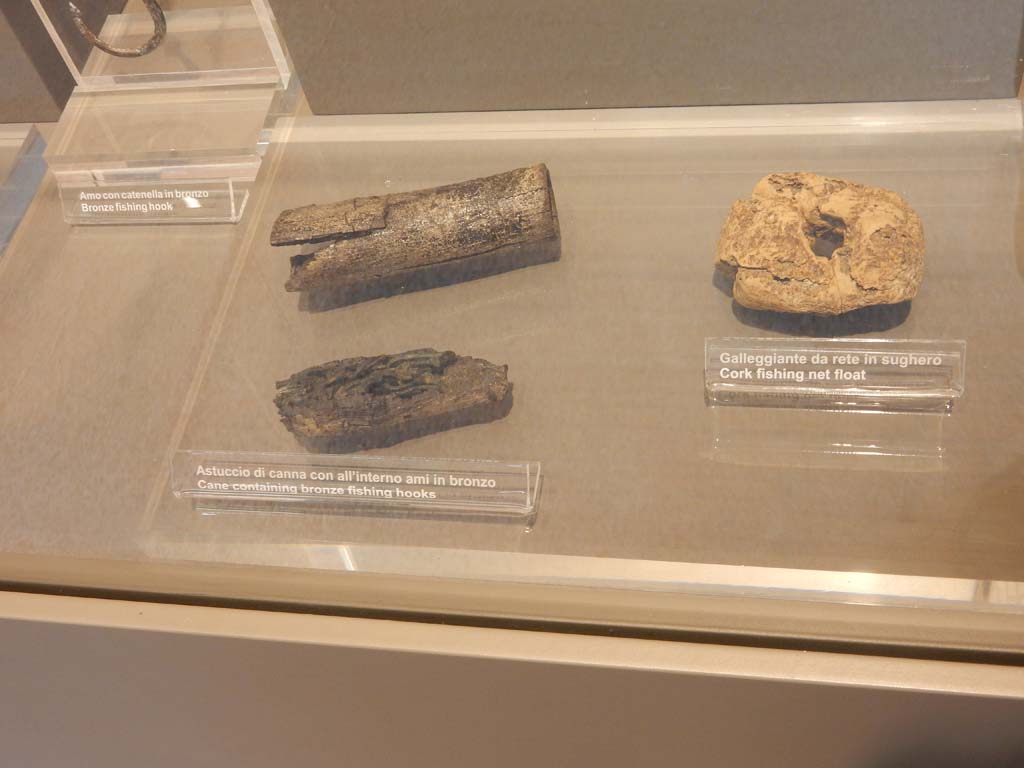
[193, 201]
[132, 157]
[877, 375]
[282, 482]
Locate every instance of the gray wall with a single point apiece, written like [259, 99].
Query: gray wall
[35, 81]
[452, 55]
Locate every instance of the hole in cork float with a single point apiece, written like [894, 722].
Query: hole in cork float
[826, 235]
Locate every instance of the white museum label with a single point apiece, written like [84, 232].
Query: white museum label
[284, 482]
[838, 374]
[219, 201]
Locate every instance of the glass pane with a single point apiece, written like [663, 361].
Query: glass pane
[123, 346]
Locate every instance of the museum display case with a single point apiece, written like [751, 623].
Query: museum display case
[141, 370]
[731, 371]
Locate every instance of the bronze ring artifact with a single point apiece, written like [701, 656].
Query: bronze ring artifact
[159, 31]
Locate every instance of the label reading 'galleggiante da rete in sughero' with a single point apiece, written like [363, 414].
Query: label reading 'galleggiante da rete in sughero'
[839, 374]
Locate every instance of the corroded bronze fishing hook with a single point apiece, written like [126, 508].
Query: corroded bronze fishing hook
[159, 31]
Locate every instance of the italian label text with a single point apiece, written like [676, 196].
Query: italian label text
[204, 201]
[835, 370]
[420, 482]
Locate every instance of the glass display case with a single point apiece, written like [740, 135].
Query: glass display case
[724, 370]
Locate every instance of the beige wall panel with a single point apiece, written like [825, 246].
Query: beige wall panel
[99, 683]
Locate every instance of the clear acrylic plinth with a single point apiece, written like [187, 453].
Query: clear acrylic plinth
[208, 42]
[182, 156]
